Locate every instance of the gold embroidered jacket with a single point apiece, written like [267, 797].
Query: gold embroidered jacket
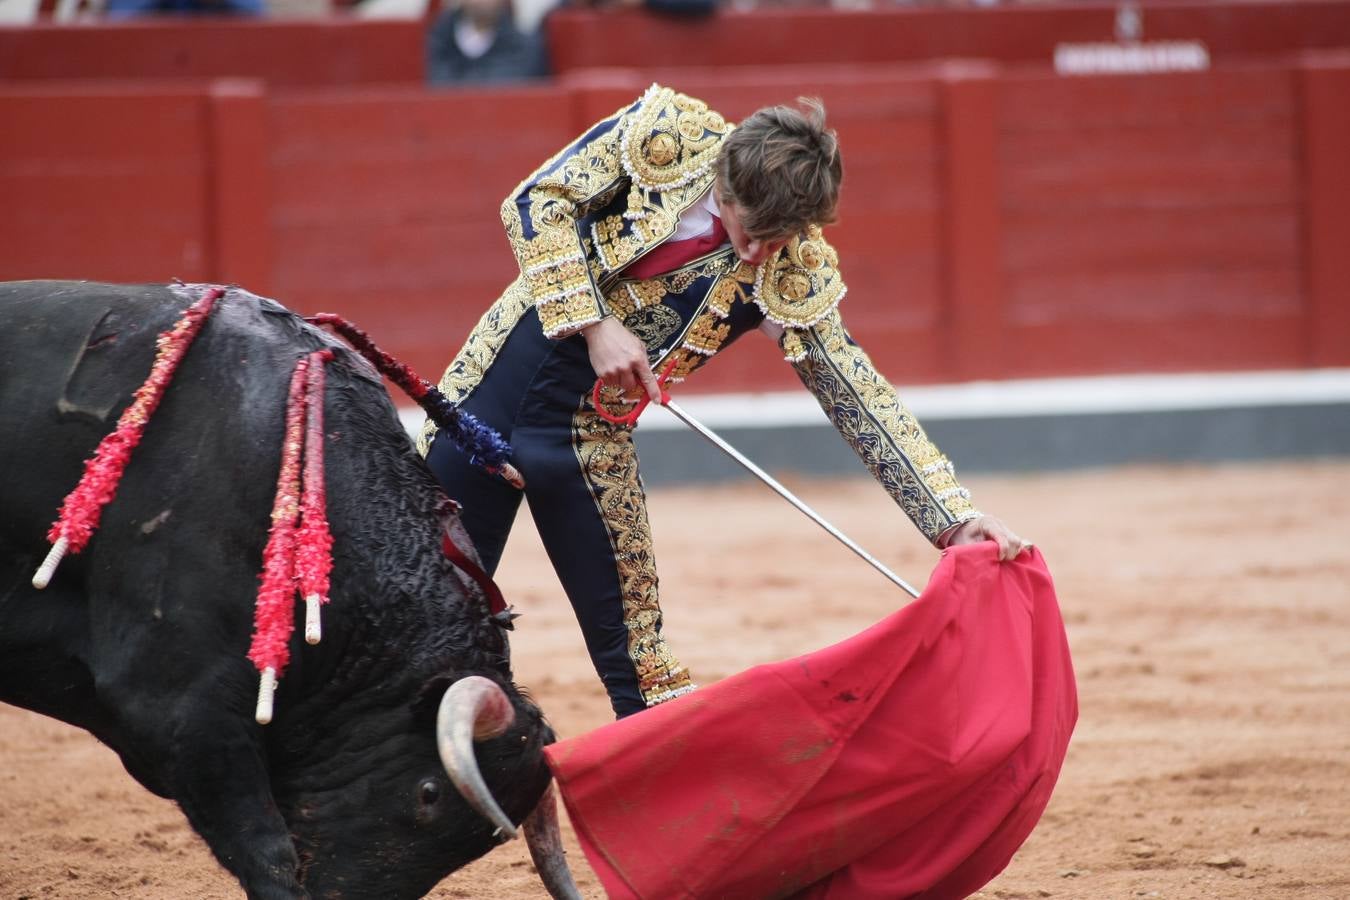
[616, 193]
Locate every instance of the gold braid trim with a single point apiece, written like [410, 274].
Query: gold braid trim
[466, 370]
[866, 410]
[609, 462]
[707, 331]
[668, 149]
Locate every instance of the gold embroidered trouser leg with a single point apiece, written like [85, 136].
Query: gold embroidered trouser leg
[590, 511]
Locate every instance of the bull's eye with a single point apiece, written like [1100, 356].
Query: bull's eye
[429, 792]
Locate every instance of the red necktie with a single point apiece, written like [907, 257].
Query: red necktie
[672, 254]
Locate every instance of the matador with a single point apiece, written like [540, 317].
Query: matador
[666, 229]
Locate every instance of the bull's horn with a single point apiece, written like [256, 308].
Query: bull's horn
[473, 709]
[545, 843]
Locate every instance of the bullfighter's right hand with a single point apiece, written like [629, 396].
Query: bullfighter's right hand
[987, 528]
[620, 358]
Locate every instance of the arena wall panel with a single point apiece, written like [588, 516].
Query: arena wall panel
[105, 183]
[341, 50]
[387, 206]
[1163, 211]
[333, 51]
[1325, 95]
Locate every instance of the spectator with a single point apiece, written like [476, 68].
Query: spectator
[121, 9]
[478, 41]
[669, 7]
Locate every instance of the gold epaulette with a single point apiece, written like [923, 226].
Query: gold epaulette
[669, 141]
[801, 285]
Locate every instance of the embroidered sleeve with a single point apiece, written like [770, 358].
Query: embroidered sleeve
[541, 218]
[870, 416]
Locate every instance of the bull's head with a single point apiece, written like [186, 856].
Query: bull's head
[475, 709]
[396, 822]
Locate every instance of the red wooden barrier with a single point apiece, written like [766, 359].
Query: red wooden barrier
[285, 53]
[340, 50]
[386, 206]
[105, 183]
[973, 222]
[1151, 222]
[993, 224]
[239, 133]
[1324, 83]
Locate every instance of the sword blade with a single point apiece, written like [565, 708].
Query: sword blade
[783, 492]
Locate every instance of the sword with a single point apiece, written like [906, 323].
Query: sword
[709, 435]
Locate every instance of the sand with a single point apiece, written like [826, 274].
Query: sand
[1208, 609]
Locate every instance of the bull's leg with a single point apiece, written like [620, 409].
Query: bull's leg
[214, 767]
[211, 764]
[244, 828]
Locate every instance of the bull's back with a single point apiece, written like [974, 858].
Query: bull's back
[173, 564]
[70, 354]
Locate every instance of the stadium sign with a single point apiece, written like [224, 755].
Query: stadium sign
[1130, 54]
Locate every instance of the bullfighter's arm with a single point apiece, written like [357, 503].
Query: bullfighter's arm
[886, 436]
[867, 411]
[799, 291]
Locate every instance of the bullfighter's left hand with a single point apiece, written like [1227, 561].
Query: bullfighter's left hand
[989, 528]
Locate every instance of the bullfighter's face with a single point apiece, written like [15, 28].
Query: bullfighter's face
[752, 250]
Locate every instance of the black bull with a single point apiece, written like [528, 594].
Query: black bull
[142, 637]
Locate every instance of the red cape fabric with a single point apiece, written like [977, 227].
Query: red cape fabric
[911, 760]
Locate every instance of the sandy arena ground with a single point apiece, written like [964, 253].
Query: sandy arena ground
[1208, 609]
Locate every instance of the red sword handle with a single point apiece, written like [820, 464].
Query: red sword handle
[632, 416]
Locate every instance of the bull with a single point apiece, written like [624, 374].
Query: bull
[142, 638]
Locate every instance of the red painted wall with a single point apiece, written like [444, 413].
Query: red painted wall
[385, 206]
[339, 50]
[105, 183]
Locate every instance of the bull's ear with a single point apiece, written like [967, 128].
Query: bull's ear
[428, 698]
